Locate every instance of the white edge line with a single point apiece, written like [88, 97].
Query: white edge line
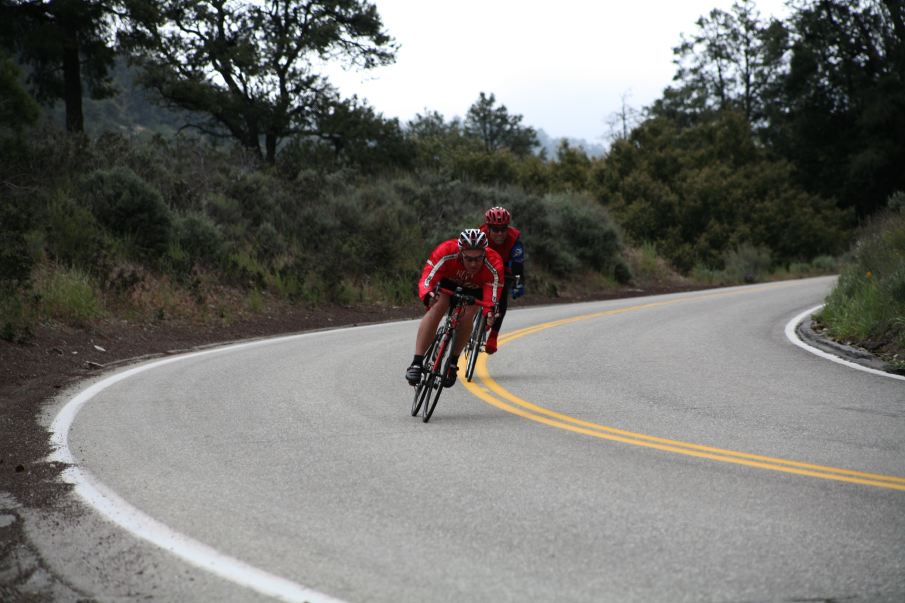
[109, 504]
[792, 335]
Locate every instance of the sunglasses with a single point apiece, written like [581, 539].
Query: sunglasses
[498, 228]
[472, 258]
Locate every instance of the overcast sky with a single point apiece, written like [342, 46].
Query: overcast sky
[563, 65]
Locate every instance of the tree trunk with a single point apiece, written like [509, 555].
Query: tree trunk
[270, 142]
[72, 81]
[250, 132]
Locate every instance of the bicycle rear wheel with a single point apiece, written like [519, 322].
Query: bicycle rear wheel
[443, 353]
[474, 344]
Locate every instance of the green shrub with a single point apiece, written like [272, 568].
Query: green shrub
[74, 237]
[16, 260]
[622, 273]
[746, 263]
[397, 289]
[255, 301]
[743, 264]
[496, 167]
[647, 260]
[534, 175]
[587, 229]
[824, 264]
[646, 264]
[15, 318]
[893, 287]
[245, 268]
[868, 301]
[19, 108]
[571, 170]
[286, 283]
[129, 207]
[896, 202]
[200, 238]
[707, 275]
[567, 233]
[800, 269]
[269, 242]
[314, 289]
[226, 213]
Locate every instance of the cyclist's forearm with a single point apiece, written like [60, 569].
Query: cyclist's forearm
[518, 269]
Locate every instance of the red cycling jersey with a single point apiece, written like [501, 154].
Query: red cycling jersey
[446, 263]
[505, 249]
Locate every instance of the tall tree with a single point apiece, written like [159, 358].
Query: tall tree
[571, 170]
[17, 107]
[733, 62]
[433, 125]
[360, 136]
[67, 45]
[698, 192]
[251, 66]
[623, 121]
[438, 142]
[497, 128]
[844, 100]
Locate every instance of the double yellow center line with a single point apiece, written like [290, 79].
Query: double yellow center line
[491, 392]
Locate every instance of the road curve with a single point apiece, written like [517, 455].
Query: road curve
[653, 449]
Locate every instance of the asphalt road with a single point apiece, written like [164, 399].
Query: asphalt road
[674, 448]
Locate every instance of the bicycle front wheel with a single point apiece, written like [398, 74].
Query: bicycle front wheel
[423, 389]
[443, 354]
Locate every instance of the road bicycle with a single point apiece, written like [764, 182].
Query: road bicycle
[438, 354]
[478, 335]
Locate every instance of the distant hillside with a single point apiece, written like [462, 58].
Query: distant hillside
[551, 144]
[131, 111]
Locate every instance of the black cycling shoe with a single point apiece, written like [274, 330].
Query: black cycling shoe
[413, 374]
[450, 379]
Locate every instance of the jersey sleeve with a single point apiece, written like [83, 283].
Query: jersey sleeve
[517, 255]
[493, 284]
[433, 269]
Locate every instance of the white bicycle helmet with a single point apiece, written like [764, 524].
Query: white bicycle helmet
[472, 238]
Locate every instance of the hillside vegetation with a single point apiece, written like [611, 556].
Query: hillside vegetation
[177, 229]
[867, 307]
[759, 162]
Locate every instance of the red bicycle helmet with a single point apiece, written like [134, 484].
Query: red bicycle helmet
[497, 216]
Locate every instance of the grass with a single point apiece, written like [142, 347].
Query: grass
[255, 301]
[647, 266]
[138, 292]
[67, 295]
[867, 306]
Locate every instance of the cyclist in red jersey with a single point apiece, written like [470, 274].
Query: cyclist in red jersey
[465, 262]
[505, 240]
